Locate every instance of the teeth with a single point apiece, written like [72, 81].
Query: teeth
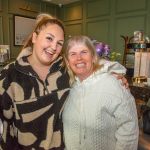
[49, 51]
[80, 65]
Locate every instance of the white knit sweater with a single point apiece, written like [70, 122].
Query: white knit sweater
[100, 114]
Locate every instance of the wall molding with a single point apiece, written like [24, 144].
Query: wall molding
[130, 6]
[1, 30]
[99, 29]
[0, 5]
[75, 28]
[100, 7]
[73, 12]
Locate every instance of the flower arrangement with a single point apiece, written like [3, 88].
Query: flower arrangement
[104, 51]
[114, 56]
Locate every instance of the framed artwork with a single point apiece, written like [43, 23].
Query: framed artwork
[23, 26]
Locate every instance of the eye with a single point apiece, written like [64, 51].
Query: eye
[60, 44]
[72, 54]
[84, 52]
[49, 38]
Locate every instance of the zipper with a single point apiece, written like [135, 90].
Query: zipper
[41, 81]
[45, 88]
[82, 118]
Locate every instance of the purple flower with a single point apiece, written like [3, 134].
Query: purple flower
[106, 50]
[102, 49]
[99, 48]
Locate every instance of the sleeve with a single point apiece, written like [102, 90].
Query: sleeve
[112, 66]
[6, 114]
[127, 123]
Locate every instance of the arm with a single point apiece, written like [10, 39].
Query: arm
[127, 123]
[116, 70]
[6, 114]
[113, 66]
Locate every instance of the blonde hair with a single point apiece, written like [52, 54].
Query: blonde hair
[42, 20]
[85, 41]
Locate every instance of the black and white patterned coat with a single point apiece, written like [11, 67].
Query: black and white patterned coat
[30, 109]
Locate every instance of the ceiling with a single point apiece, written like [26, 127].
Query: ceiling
[60, 2]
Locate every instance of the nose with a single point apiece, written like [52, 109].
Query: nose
[79, 56]
[54, 45]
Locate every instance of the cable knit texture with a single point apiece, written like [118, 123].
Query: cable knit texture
[100, 114]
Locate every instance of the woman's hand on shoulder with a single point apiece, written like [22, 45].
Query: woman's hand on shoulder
[122, 78]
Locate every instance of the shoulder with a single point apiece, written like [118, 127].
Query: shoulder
[7, 69]
[7, 74]
[112, 66]
[112, 85]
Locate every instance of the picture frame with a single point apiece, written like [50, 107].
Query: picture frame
[23, 26]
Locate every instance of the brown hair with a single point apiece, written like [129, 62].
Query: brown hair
[42, 20]
[85, 41]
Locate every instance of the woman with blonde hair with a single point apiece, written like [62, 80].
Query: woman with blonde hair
[100, 114]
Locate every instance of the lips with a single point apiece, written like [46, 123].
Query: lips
[80, 65]
[50, 51]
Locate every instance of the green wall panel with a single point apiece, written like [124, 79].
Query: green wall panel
[130, 5]
[73, 29]
[104, 20]
[1, 30]
[51, 10]
[98, 8]
[126, 27]
[0, 5]
[73, 12]
[24, 7]
[98, 30]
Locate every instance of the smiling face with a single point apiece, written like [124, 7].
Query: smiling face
[80, 60]
[47, 44]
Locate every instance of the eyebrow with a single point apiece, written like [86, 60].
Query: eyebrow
[54, 37]
[71, 52]
[51, 35]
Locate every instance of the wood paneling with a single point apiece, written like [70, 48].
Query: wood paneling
[0, 5]
[104, 20]
[98, 30]
[1, 30]
[73, 12]
[24, 7]
[98, 8]
[130, 5]
[51, 10]
[73, 29]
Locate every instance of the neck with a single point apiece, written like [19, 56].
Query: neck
[83, 77]
[41, 69]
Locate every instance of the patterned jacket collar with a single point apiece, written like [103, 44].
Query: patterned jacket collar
[23, 65]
